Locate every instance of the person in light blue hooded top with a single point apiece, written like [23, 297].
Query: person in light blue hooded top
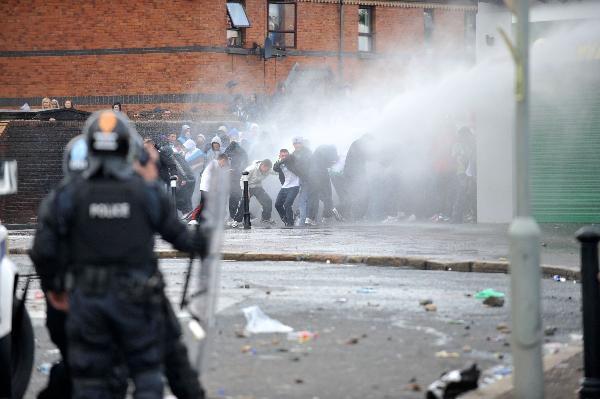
[186, 134]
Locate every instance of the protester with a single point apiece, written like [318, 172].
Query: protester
[186, 134]
[215, 149]
[463, 153]
[299, 164]
[185, 181]
[194, 156]
[356, 201]
[290, 186]
[324, 157]
[201, 143]
[238, 159]
[205, 184]
[258, 171]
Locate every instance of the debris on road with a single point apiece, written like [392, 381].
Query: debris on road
[353, 341]
[413, 387]
[241, 334]
[258, 322]
[424, 302]
[248, 349]
[366, 290]
[558, 278]
[467, 349]
[550, 331]
[430, 308]
[341, 300]
[447, 355]
[489, 293]
[454, 383]
[302, 336]
[494, 302]
[503, 328]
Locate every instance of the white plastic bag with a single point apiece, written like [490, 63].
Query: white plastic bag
[258, 322]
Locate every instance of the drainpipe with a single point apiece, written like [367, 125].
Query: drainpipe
[341, 48]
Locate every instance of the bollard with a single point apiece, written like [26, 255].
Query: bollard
[590, 296]
[247, 224]
[173, 192]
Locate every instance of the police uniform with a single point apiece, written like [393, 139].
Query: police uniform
[108, 219]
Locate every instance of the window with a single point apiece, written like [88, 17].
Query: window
[365, 29]
[428, 23]
[281, 23]
[237, 21]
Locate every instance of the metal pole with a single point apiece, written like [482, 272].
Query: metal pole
[174, 192]
[590, 297]
[247, 224]
[341, 44]
[524, 236]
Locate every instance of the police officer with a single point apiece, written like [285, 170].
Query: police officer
[59, 384]
[108, 219]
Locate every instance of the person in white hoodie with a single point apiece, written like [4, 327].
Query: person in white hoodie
[215, 149]
[258, 171]
[206, 181]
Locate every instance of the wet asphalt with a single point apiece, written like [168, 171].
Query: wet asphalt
[374, 339]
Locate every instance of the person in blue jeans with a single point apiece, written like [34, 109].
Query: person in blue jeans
[290, 186]
[299, 162]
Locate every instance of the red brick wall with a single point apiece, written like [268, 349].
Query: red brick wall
[399, 29]
[70, 25]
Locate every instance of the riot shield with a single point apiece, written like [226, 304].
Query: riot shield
[204, 278]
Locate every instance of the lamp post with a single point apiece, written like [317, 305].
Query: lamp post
[524, 234]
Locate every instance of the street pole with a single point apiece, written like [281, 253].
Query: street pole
[246, 200]
[590, 297]
[524, 237]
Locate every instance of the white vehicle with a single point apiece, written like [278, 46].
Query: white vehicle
[16, 331]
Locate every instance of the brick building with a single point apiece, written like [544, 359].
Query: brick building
[197, 54]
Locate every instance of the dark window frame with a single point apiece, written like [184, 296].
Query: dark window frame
[231, 27]
[371, 34]
[285, 32]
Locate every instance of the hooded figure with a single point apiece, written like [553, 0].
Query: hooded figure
[194, 156]
[186, 134]
[355, 178]
[215, 149]
[324, 157]
[238, 159]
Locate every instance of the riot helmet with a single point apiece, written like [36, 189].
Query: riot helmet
[113, 144]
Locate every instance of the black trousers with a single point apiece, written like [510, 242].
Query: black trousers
[116, 317]
[182, 378]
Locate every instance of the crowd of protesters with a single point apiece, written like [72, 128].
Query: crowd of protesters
[318, 186]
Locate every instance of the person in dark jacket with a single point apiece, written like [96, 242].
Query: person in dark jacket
[324, 157]
[167, 166]
[238, 160]
[355, 177]
[299, 163]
